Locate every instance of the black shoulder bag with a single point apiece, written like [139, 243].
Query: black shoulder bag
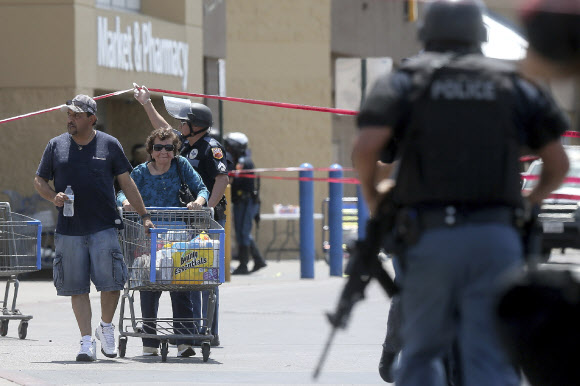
[185, 196]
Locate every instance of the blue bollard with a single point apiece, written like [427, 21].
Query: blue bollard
[306, 223]
[362, 213]
[335, 193]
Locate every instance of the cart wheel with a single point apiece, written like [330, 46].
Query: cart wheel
[22, 329]
[122, 346]
[205, 348]
[164, 351]
[3, 327]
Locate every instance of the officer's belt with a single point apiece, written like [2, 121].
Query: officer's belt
[243, 194]
[449, 216]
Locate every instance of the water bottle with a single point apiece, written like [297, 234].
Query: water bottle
[69, 205]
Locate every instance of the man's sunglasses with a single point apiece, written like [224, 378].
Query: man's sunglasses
[161, 147]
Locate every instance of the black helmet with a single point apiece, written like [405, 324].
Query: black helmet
[236, 143]
[453, 20]
[195, 113]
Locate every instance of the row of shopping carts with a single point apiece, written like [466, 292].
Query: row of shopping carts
[184, 252]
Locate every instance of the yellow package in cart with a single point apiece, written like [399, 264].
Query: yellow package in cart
[189, 267]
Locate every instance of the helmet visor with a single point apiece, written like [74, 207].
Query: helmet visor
[177, 107]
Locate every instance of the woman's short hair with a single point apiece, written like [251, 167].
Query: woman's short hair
[163, 134]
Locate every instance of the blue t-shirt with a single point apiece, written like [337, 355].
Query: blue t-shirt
[90, 171]
[162, 190]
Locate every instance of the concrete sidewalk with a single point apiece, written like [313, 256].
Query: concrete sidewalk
[272, 330]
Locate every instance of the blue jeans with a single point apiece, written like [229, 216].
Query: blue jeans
[244, 213]
[181, 305]
[196, 300]
[449, 293]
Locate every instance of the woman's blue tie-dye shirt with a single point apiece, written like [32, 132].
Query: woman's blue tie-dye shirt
[162, 190]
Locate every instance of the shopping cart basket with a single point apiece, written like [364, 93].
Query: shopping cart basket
[19, 253]
[186, 250]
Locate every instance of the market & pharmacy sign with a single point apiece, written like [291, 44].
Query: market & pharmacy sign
[136, 49]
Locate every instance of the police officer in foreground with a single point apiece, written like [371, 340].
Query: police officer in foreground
[208, 158]
[246, 201]
[459, 119]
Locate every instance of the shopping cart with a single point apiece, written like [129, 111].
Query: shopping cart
[186, 250]
[19, 253]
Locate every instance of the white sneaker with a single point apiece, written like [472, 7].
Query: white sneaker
[185, 350]
[107, 337]
[88, 352]
[150, 351]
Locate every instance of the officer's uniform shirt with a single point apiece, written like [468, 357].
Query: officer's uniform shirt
[208, 158]
[536, 116]
[242, 187]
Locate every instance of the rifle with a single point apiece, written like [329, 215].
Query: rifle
[363, 265]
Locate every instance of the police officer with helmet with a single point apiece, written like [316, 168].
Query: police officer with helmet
[208, 158]
[246, 201]
[459, 120]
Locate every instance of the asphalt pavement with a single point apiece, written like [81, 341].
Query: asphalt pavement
[272, 331]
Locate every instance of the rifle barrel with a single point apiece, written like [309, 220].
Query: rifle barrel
[324, 354]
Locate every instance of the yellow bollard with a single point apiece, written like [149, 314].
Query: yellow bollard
[228, 231]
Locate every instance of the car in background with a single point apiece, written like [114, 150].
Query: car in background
[560, 213]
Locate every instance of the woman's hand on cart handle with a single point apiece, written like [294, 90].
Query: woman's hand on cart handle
[59, 199]
[197, 204]
[194, 205]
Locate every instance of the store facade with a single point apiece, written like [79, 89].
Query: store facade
[55, 50]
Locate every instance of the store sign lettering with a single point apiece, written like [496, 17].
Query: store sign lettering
[136, 49]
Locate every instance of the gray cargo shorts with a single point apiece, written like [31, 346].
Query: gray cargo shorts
[95, 257]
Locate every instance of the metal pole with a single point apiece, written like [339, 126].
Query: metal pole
[335, 193]
[228, 233]
[362, 209]
[306, 223]
[362, 213]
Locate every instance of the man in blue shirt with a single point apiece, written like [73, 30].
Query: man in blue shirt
[87, 246]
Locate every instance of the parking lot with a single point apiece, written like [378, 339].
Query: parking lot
[272, 331]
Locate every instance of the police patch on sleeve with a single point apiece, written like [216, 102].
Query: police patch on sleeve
[222, 167]
[217, 153]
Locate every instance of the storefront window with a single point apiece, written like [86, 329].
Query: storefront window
[125, 5]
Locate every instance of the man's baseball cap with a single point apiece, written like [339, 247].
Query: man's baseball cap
[81, 104]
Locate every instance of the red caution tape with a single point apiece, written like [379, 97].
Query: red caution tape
[567, 134]
[528, 158]
[343, 180]
[259, 102]
[298, 169]
[58, 107]
[574, 180]
[560, 196]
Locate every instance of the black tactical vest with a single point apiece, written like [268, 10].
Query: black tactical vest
[461, 144]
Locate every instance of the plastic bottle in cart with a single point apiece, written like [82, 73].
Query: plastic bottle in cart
[69, 205]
